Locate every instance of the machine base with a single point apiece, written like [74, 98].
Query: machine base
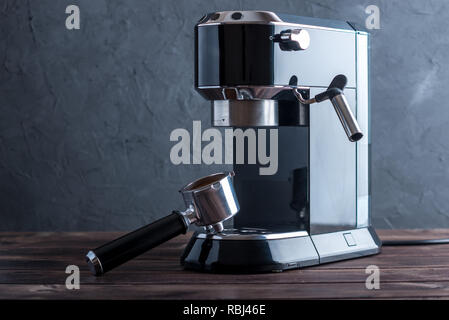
[275, 252]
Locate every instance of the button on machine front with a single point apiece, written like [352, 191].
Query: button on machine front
[349, 239]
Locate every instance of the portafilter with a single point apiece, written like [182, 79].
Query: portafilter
[209, 201]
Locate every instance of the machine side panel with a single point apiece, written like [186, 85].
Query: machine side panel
[363, 146]
[332, 169]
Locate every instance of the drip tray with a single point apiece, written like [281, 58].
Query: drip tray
[251, 250]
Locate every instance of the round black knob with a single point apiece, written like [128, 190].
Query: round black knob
[236, 15]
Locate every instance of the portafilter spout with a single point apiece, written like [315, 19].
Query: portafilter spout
[209, 200]
[335, 94]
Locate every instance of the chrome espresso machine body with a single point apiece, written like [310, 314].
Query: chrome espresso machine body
[265, 70]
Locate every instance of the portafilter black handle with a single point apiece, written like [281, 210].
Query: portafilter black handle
[210, 200]
[129, 246]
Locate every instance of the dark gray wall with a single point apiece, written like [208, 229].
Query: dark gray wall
[86, 115]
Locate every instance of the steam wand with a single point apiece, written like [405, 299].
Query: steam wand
[335, 94]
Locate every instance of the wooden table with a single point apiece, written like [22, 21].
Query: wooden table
[32, 266]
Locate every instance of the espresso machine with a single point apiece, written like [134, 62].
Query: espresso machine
[308, 79]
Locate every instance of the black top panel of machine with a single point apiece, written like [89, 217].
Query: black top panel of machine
[237, 48]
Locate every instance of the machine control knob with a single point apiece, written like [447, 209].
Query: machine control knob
[293, 40]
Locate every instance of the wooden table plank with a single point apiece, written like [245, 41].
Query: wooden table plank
[251, 291]
[307, 275]
[32, 266]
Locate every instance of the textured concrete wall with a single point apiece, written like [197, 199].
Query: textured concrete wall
[86, 114]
